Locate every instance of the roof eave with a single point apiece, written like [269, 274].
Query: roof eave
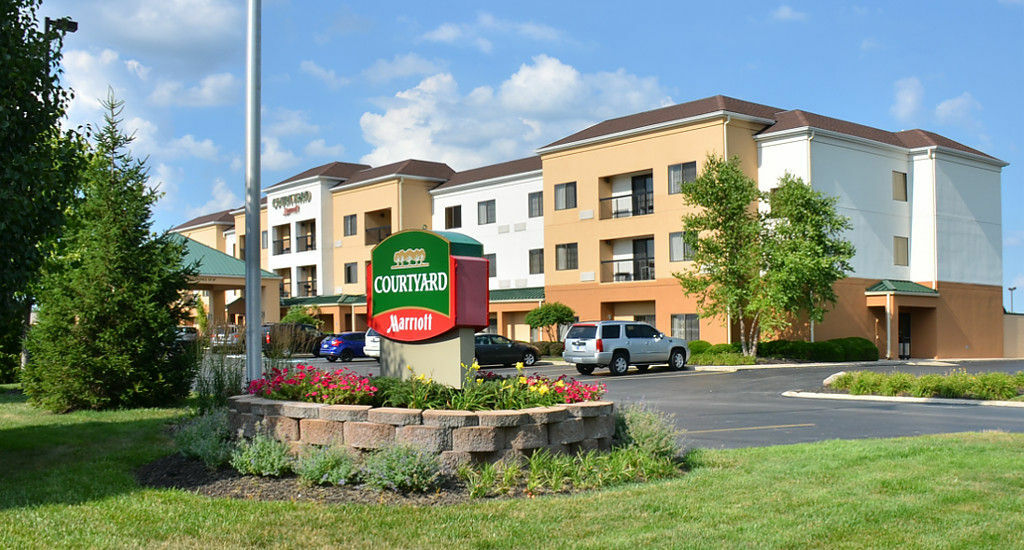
[378, 179]
[200, 226]
[652, 128]
[962, 154]
[899, 293]
[484, 183]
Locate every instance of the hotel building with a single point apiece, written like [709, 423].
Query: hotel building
[593, 221]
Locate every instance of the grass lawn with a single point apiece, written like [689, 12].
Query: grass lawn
[67, 481]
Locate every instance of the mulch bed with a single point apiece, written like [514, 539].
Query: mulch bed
[178, 472]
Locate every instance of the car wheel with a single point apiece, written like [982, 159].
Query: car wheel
[529, 359]
[585, 369]
[331, 358]
[316, 351]
[677, 361]
[642, 368]
[347, 355]
[619, 364]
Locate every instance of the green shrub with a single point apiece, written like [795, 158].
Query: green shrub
[826, 352]
[954, 384]
[995, 385]
[721, 359]
[843, 381]
[647, 429]
[218, 379]
[771, 349]
[866, 382]
[556, 348]
[262, 456]
[897, 383]
[401, 468]
[720, 348]
[699, 346]
[327, 466]
[857, 349]
[206, 437]
[542, 346]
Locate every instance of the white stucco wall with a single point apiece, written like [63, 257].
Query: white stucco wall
[969, 219]
[318, 210]
[513, 234]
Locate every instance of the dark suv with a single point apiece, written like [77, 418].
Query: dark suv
[286, 339]
[619, 344]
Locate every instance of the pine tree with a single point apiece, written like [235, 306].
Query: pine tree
[112, 295]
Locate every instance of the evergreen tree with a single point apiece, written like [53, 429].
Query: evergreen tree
[111, 296]
[39, 163]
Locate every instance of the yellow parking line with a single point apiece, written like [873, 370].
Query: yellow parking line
[750, 428]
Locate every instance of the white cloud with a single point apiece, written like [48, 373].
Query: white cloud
[869, 44]
[189, 145]
[787, 13]
[401, 66]
[542, 101]
[287, 122]
[909, 92]
[144, 136]
[486, 25]
[959, 111]
[221, 198]
[212, 90]
[236, 163]
[166, 179]
[327, 76]
[275, 157]
[318, 149]
[1013, 238]
[137, 68]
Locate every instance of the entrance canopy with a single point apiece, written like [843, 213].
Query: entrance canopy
[909, 308]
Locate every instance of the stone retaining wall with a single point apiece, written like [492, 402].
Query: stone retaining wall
[458, 437]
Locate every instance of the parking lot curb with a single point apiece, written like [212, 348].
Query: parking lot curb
[730, 368]
[892, 399]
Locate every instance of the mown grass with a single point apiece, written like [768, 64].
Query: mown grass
[66, 481]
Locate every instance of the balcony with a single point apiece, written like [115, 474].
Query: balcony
[375, 235]
[305, 242]
[632, 268]
[286, 289]
[306, 288]
[625, 206]
[282, 246]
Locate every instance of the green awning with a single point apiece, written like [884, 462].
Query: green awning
[531, 294]
[328, 300]
[896, 286]
[213, 262]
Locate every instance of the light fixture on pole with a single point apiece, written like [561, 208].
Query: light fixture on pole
[1011, 289]
[253, 276]
[65, 24]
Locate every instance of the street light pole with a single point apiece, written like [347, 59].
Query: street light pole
[1012, 288]
[253, 311]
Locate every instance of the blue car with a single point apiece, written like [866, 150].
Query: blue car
[345, 346]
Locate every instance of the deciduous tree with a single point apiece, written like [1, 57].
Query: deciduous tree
[548, 316]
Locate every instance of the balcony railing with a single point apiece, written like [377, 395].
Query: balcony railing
[624, 206]
[635, 268]
[286, 289]
[375, 235]
[282, 246]
[307, 288]
[305, 242]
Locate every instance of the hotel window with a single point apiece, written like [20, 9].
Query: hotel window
[350, 225]
[485, 212]
[264, 238]
[536, 261]
[566, 256]
[686, 326]
[901, 251]
[678, 174]
[565, 196]
[492, 265]
[351, 275]
[536, 202]
[899, 186]
[678, 250]
[453, 217]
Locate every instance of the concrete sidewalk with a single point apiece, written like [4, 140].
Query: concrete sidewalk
[943, 363]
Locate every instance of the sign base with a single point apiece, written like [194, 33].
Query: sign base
[439, 358]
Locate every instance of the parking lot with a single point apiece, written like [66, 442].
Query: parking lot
[745, 408]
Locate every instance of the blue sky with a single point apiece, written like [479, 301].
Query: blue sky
[472, 83]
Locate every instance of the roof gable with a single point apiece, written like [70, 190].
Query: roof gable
[483, 173]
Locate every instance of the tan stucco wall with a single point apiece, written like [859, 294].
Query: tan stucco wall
[211, 235]
[1013, 335]
[240, 232]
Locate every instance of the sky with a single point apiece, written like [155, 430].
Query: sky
[474, 83]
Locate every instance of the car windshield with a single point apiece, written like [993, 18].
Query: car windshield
[582, 331]
[371, 332]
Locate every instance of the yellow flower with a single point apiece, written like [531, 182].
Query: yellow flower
[519, 365]
[523, 380]
[421, 377]
[533, 388]
[476, 366]
[560, 384]
[542, 389]
[409, 367]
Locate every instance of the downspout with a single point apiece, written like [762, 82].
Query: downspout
[725, 147]
[809, 140]
[888, 326]
[401, 180]
[935, 221]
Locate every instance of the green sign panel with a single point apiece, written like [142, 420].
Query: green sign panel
[410, 286]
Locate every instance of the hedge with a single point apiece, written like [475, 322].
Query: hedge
[838, 349]
[549, 348]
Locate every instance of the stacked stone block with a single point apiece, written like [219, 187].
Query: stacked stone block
[457, 437]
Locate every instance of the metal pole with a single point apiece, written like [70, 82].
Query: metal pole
[253, 311]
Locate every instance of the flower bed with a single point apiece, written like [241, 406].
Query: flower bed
[457, 436]
[956, 384]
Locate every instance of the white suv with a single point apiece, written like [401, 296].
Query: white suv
[371, 347]
[619, 344]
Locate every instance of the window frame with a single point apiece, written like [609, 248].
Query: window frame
[685, 253]
[539, 268]
[562, 192]
[690, 322]
[353, 220]
[535, 199]
[492, 264]
[486, 212]
[355, 273]
[562, 256]
[675, 190]
[899, 186]
[898, 243]
[453, 216]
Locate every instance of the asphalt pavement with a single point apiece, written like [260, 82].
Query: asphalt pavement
[746, 409]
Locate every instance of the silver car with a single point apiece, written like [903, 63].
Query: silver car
[371, 347]
[619, 344]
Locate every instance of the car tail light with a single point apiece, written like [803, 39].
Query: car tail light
[266, 337]
[335, 342]
[600, 344]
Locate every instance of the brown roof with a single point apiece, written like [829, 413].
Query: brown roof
[672, 112]
[410, 167]
[338, 170]
[222, 217]
[518, 166]
[909, 138]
